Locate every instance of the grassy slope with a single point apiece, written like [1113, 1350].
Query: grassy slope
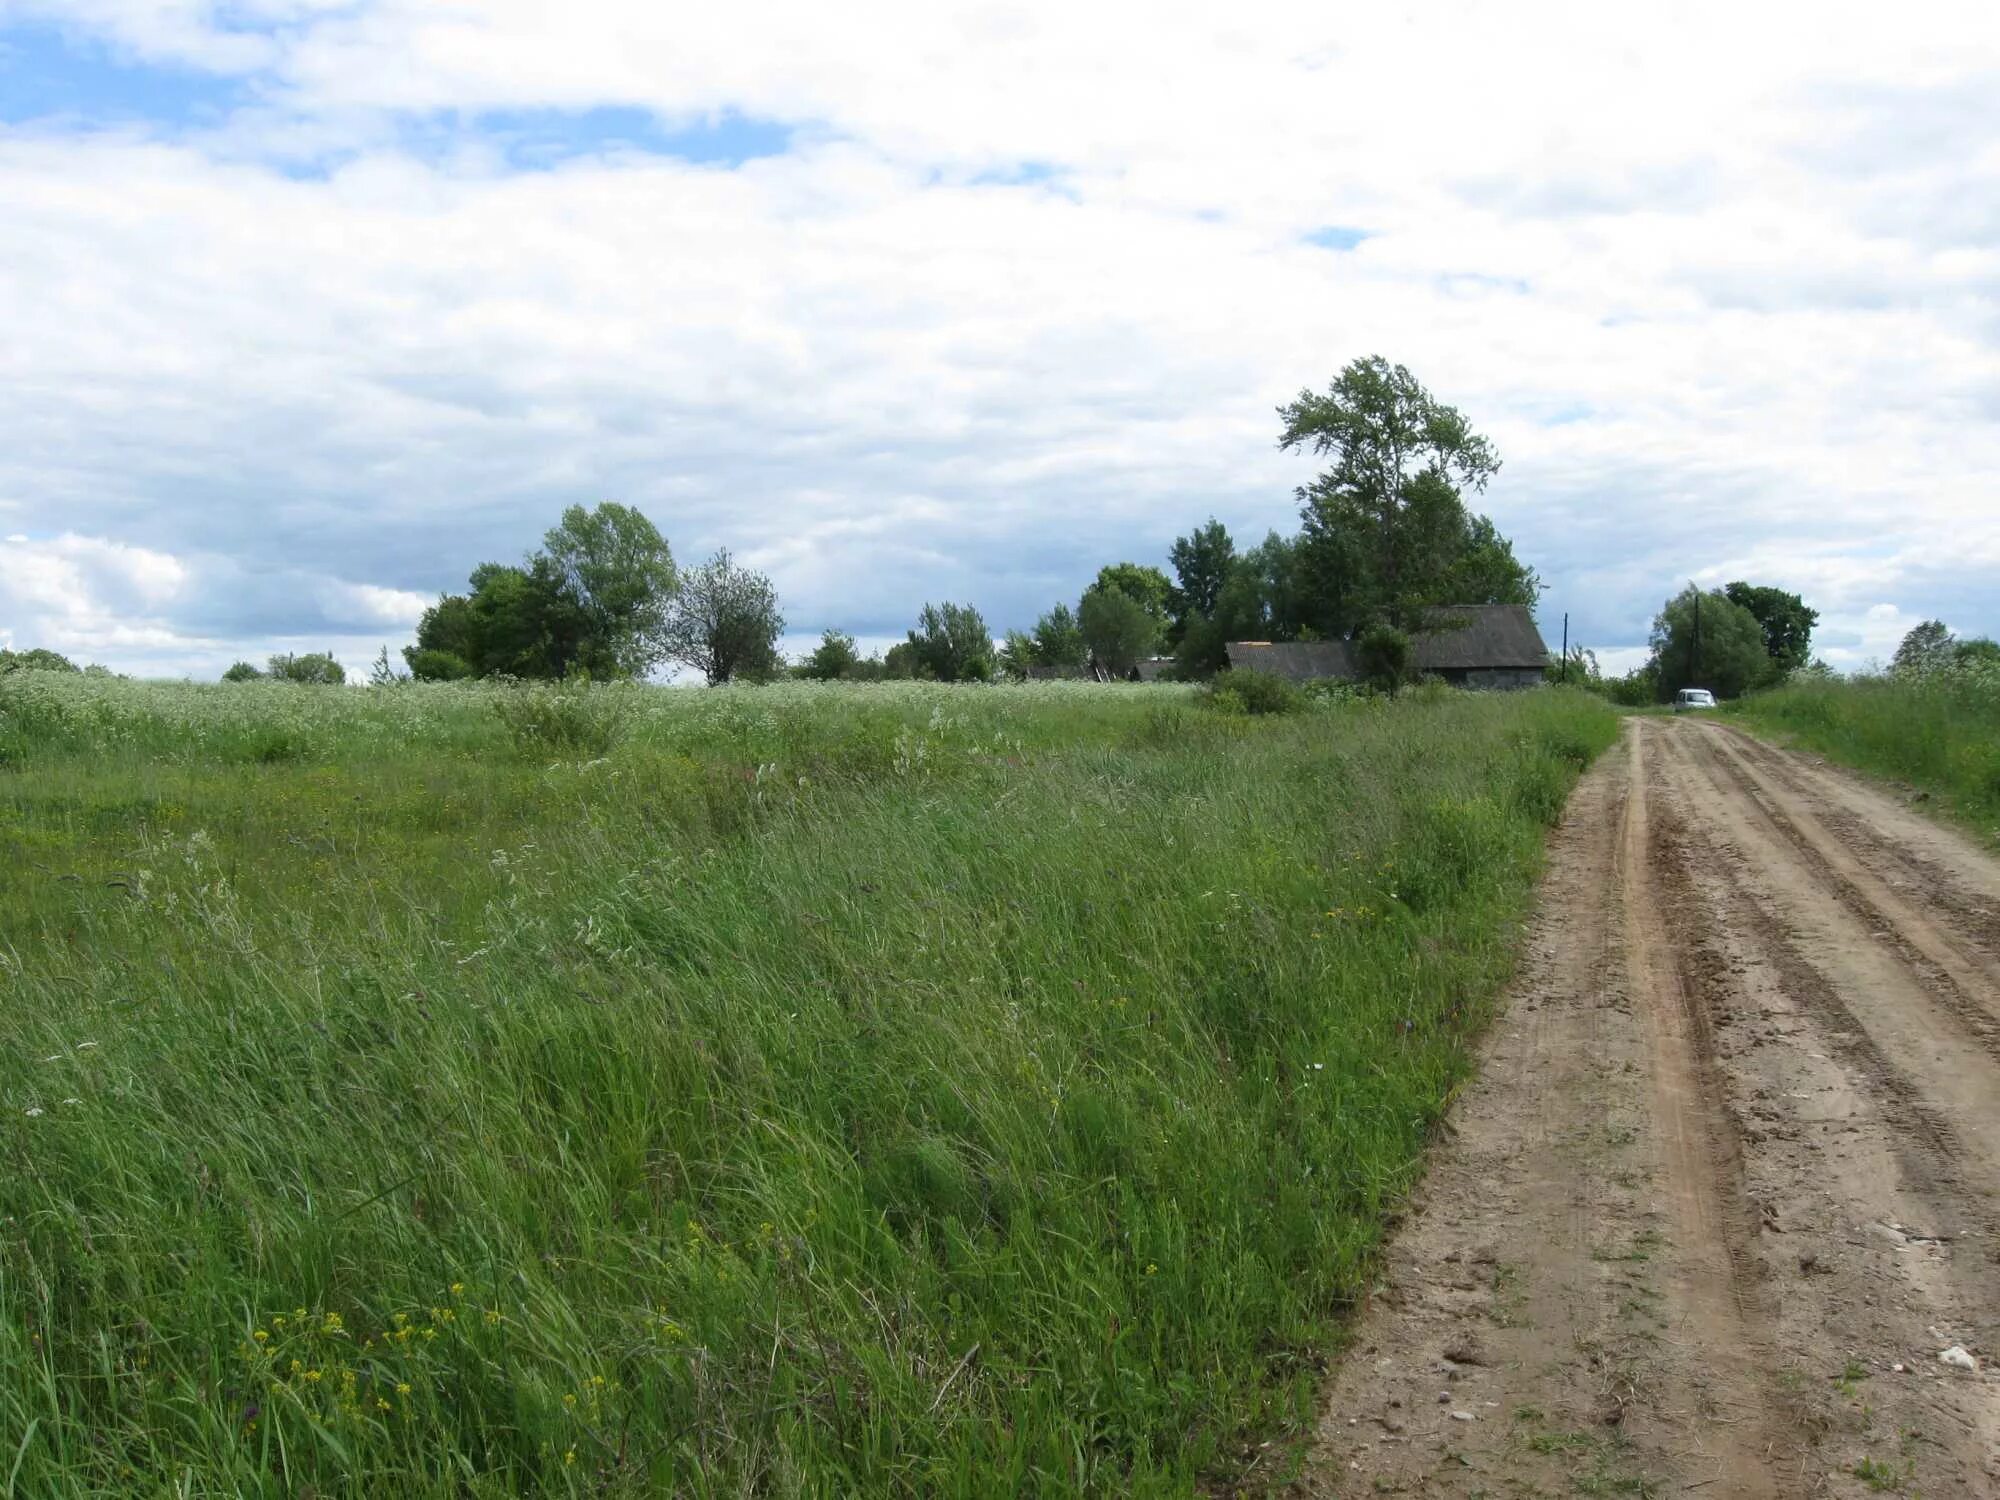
[1942, 735]
[888, 1090]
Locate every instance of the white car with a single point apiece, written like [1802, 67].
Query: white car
[1691, 698]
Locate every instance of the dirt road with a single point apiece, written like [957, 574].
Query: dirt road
[1729, 1180]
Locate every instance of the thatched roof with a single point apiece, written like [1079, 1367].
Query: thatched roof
[1301, 661]
[1468, 637]
[1455, 638]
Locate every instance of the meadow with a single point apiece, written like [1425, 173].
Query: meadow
[890, 1089]
[1938, 732]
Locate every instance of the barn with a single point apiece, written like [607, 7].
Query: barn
[1493, 646]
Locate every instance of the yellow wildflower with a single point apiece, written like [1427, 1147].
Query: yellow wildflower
[403, 1388]
[261, 1335]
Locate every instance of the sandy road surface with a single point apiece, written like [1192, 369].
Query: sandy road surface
[1729, 1181]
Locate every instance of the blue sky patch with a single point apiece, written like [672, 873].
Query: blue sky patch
[47, 74]
[1337, 237]
[542, 138]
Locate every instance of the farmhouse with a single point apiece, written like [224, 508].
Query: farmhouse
[1468, 645]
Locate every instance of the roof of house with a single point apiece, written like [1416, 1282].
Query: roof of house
[1471, 636]
[1455, 638]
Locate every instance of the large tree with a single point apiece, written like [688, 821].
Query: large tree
[1145, 585]
[1784, 618]
[1927, 647]
[1386, 528]
[595, 599]
[1202, 561]
[618, 572]
[1117, 628]
[1059, 639]
[952, 644]
[725, 622]
[1706, 640]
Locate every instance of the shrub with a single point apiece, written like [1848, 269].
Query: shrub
[558, 720]
[1385, 656]
[242, 671]
[317, 668]
[35, 660]
[429, 664]
[1246, 690]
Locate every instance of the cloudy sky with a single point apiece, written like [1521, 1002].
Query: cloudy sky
[308, 305]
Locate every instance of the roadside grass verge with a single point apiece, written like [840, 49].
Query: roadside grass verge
[1940, 733]
[913, 1090]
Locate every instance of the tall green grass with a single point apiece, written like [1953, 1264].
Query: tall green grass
[907, 1090]
[1940, 732]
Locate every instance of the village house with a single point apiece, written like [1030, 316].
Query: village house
[1467, 645]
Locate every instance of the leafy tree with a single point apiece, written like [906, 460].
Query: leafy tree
[833, 658]
[615, 569]
[1926, 648]
[35, 659]
[1784, 618]
[1059, 639]
[952, 644]
[1117, 628]
[242, 671]
[1017, 655]
[1386, 528]
[317, 668]
[1146, 585]
[1706, 640]
[594, 600]
[725, 623]
[1978, 651]
[1202, 562]
[900, 662]
[1385, 656]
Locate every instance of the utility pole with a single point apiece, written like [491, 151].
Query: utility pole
[1565, 665]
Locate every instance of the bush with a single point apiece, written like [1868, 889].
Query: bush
[559, 720]
[429, 664]
[1385, 655]
[1245, 690]
[35, 660]
[316, 668]
[242, 671]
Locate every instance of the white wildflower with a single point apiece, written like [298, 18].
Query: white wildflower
[32, 1111]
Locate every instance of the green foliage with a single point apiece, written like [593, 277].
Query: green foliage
[35, 659]
[1059, 639]
[833, 658]
[1784, 618]
[1202, 562]
[1144, 585]
[561, 719]
[1252, 692]
[431, 665]
[1926, 649]
[1017, 655]
[616, 571]
[594, 601]
[725, 623]
[316, 668]
[242, 671]
[1938, 729]
[1386, 657]
[1386, 528]
[951, 644]
[1118, 629]
[1030, 1069]
[1704, 640]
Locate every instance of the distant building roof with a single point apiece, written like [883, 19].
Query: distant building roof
[1455, 638]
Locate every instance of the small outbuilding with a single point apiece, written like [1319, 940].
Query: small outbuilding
[1493, 646]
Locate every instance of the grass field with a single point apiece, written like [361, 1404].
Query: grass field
[898, 1089]
[1940, 732]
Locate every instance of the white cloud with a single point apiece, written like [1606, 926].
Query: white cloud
[1703, 275]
